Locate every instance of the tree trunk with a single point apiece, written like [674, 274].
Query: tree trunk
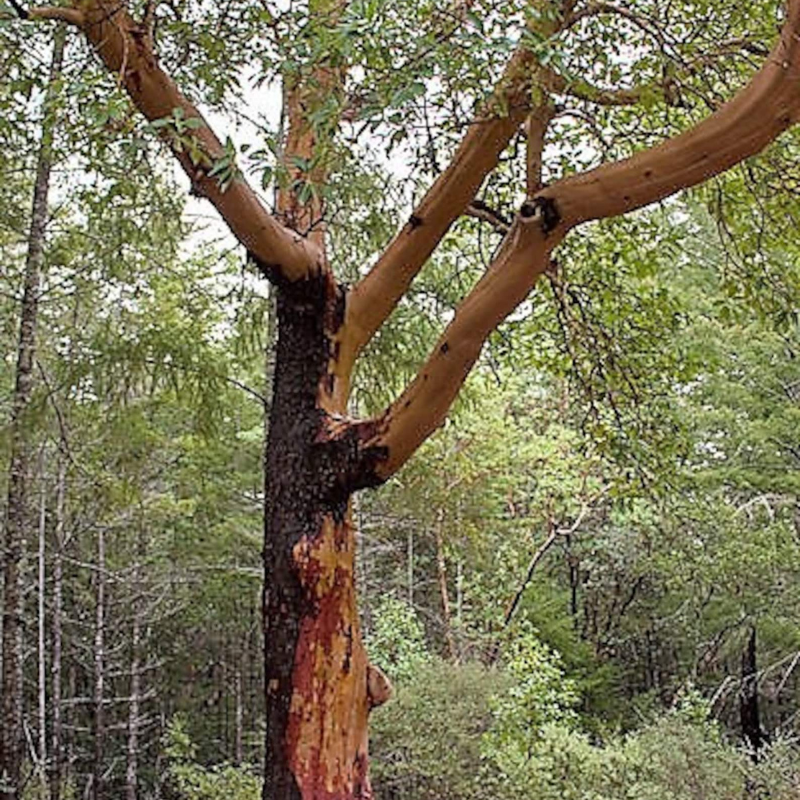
[42, 630]
[748, 699]
[57, 746]
[18, 519]
[135, 691]
[441, 566]
[238, 737]
[316, 672]
[99, 666]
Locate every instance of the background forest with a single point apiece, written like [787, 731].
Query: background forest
[586, 584]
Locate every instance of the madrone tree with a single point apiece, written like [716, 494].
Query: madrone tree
[320, 686]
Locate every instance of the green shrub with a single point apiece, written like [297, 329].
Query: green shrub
[396, 642]
[425, 743]
[188, 780]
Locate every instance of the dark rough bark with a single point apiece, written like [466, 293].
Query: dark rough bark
[749, 713]
[292, 507]
[313, 462]
[18, 520]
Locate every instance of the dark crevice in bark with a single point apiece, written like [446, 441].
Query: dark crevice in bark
[545, 207]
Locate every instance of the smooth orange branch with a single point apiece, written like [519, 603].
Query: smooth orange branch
[741, 128]
[423, 406]
[375, 296]
[124, 46]
[304, 143]
[761, 111]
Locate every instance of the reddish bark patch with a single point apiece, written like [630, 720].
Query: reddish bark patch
[326, 734]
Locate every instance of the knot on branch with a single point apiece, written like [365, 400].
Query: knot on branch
[545, 209]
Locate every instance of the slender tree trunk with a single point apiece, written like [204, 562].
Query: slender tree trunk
[574, 581]
[42, 652]
[459, 591]
[70, 718]
[99, 666]
[18, 511]
[132, 766]
[443, 591]
[135, 690]
[238, 743]
[57, 746]
[410, 567]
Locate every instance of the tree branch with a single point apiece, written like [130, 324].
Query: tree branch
[70, 15]
[375, 296]
[479, 210]
[741, 128]
[422, 407]
[583, 90]
[595, 9]
[768, 105]
[536, 130]
[124, 47]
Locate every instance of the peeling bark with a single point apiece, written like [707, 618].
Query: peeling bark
[319, 686]
[315, 664]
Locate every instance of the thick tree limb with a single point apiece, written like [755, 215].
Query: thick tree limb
[375, 296]
[768, 105]
[741, 128]
[124, 46]
[422, 407]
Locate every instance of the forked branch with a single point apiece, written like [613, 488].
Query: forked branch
[423, 406]
[376, 295]
[768, 105]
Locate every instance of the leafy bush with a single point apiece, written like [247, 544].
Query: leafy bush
[396, 642]
[425, 743]
[188, 780]
[540, 697]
